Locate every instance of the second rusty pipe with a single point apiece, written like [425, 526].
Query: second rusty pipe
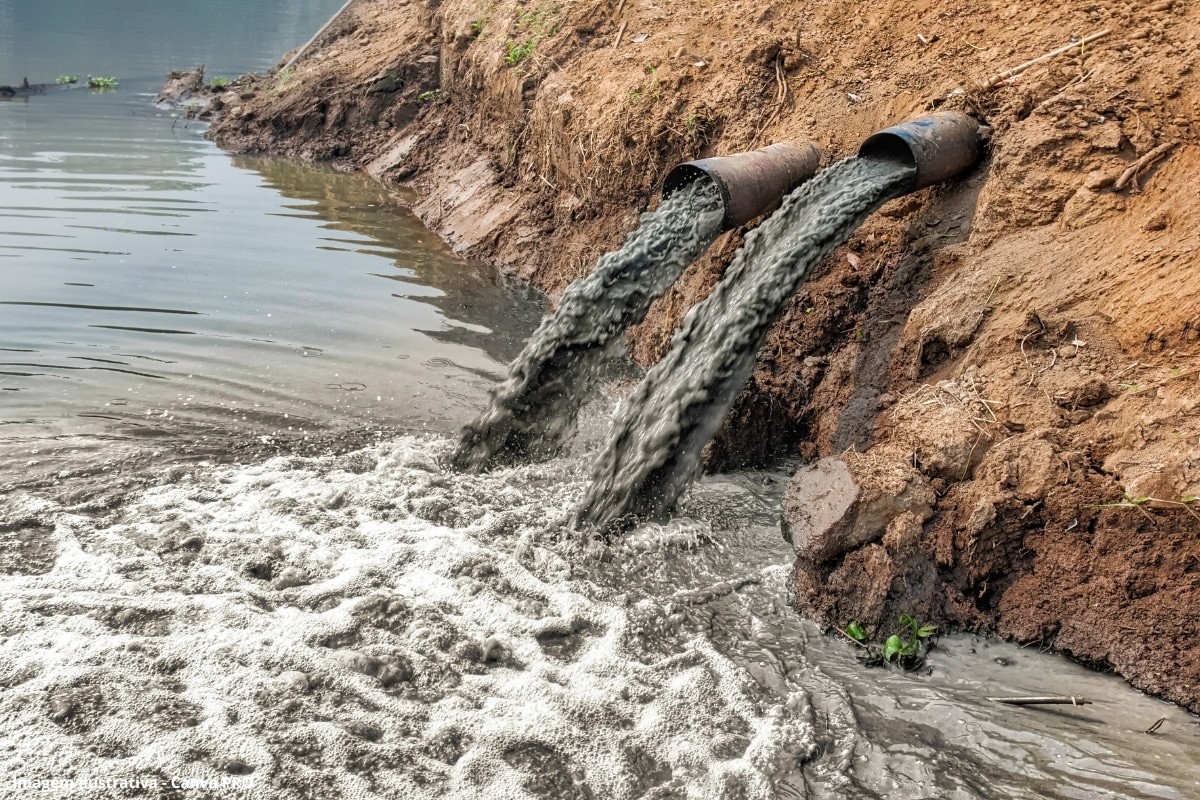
[750, 183]
[939, 145]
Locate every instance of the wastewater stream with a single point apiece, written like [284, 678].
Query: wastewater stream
[656, 448]
[233, 562]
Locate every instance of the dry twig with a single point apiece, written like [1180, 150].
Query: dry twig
[851, 638]
[1067, 700]
[999, 78]
[1141, 164]
[316, 36]
[620, 33]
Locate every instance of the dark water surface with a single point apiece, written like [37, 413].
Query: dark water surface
[150, 284]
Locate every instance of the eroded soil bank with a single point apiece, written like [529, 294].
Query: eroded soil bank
[1000, 372]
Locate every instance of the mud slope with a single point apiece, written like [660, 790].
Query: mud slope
[1002, 363]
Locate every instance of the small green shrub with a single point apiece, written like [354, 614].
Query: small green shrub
[65, 79]
[103, 84]
[904, 648]
[534, 25]
[430, 96]
[518, 52]
[218, 83]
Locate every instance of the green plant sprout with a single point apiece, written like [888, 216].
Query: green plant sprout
[657, 88]
[218, 83]
[65, 79]
[518, 52]
[102, 84]
[533, 25]
[903, 648]
[430, 96]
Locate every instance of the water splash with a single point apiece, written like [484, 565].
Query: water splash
[537, 405]
[656, 448]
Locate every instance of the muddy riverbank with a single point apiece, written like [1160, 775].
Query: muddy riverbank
[1009, 360]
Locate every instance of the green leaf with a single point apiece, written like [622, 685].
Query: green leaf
[893, 647]
[855, 632]
[925, 631]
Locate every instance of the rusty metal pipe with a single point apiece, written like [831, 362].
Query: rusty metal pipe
[939, 145]
[750, 183]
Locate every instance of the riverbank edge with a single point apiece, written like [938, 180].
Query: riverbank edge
[1020, 521]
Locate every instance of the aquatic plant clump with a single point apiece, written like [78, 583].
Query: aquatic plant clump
[102, 84]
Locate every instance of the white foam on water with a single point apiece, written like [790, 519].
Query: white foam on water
[367, 626]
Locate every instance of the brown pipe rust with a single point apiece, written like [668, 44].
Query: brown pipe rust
[939, 145]
[750, 183]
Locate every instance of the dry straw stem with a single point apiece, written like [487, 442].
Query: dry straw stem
[1068, 700]
[620, 33]
[999, 78]
[317, 35]
[1131, 174]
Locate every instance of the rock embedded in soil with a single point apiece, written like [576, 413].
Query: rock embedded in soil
[844, 502]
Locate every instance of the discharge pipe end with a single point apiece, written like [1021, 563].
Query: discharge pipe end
[750, 183]
[939, 145]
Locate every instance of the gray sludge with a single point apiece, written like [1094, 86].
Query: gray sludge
[654, 452]
[536, 407]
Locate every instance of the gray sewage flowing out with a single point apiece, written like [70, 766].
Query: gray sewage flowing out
[536, 406]
[655, 450]
[535, 409]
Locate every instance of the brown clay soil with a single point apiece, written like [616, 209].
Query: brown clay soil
[1010, 361]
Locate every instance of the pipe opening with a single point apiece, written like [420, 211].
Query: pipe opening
[681, 176]
[884, 146]
[686, 174]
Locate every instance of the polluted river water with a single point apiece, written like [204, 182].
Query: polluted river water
[204, 603]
